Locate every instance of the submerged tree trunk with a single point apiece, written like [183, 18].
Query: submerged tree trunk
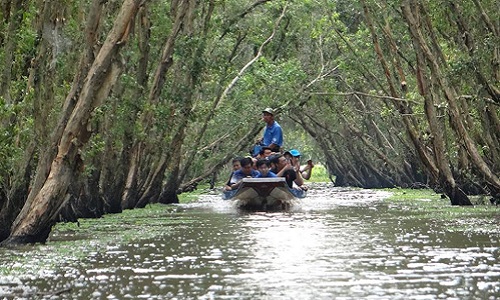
[138, 195]
[15, 197]
[446, 178]
[40, 84]
[403, 108]
[38, 215]
[456, 119]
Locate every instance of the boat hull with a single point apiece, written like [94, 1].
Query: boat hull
[264, 194]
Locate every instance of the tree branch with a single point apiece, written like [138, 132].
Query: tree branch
[253, 60]
[356, 93]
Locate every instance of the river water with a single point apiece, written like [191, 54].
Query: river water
[335, 244]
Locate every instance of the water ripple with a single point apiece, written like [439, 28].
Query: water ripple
[337, 243]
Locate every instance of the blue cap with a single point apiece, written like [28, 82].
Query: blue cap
[294, 152]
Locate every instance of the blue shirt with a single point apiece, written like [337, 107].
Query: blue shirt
[269, 174]
[238, 175]
[273, 135]
[232, 179]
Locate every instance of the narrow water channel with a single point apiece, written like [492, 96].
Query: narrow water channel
[336, 244]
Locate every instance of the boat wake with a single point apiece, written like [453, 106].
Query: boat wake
[320, 196]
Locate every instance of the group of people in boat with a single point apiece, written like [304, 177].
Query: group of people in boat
[267, 159]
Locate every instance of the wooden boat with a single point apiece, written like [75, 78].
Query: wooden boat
[264, 194]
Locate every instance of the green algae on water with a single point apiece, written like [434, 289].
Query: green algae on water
[429, 205]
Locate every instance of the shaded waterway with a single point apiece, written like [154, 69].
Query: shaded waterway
[335, 244]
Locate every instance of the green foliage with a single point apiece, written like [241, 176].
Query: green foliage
[15, 135]
[319, 172]
[322, 53]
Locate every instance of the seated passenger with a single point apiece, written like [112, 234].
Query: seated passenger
[307, 169]
[264, 153]
[232, 179]
[282, 167]
[246, 170]
[263, 166]
[294, 156]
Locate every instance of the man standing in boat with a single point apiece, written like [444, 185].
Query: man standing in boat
[273, 135]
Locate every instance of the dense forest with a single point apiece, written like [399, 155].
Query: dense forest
[111, 105]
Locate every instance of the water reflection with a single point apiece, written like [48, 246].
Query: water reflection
[344, 244]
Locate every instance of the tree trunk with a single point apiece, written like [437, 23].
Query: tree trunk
[169, 192]
[450, 94]
[131, 148]
[133, 197]
[40, 84]
[445, 178]
[152, 186]
[130, 191]
[16, 196]
[49, 152]
[491, 125]
[469, 42]
[38, 215]
[120, 189]
[402, 108]
[16, 9]
[83, 201]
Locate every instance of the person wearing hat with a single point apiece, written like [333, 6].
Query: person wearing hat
[294, 156]
[282, 167]
[273, 135]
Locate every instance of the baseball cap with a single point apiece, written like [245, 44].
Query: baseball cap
[269, 111]
[293, 152]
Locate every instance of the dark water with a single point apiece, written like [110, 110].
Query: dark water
[337, 244]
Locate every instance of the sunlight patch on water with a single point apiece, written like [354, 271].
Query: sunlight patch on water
[341, 242]
[321, 197]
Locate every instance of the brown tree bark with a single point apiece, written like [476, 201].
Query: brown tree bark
[49, 151]
[113, 184]
[408, 120]
[183, 88]
[40, 85]
[450, 94]
[135, 192]
[38, 215]
[470, 42]
[446, 178]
